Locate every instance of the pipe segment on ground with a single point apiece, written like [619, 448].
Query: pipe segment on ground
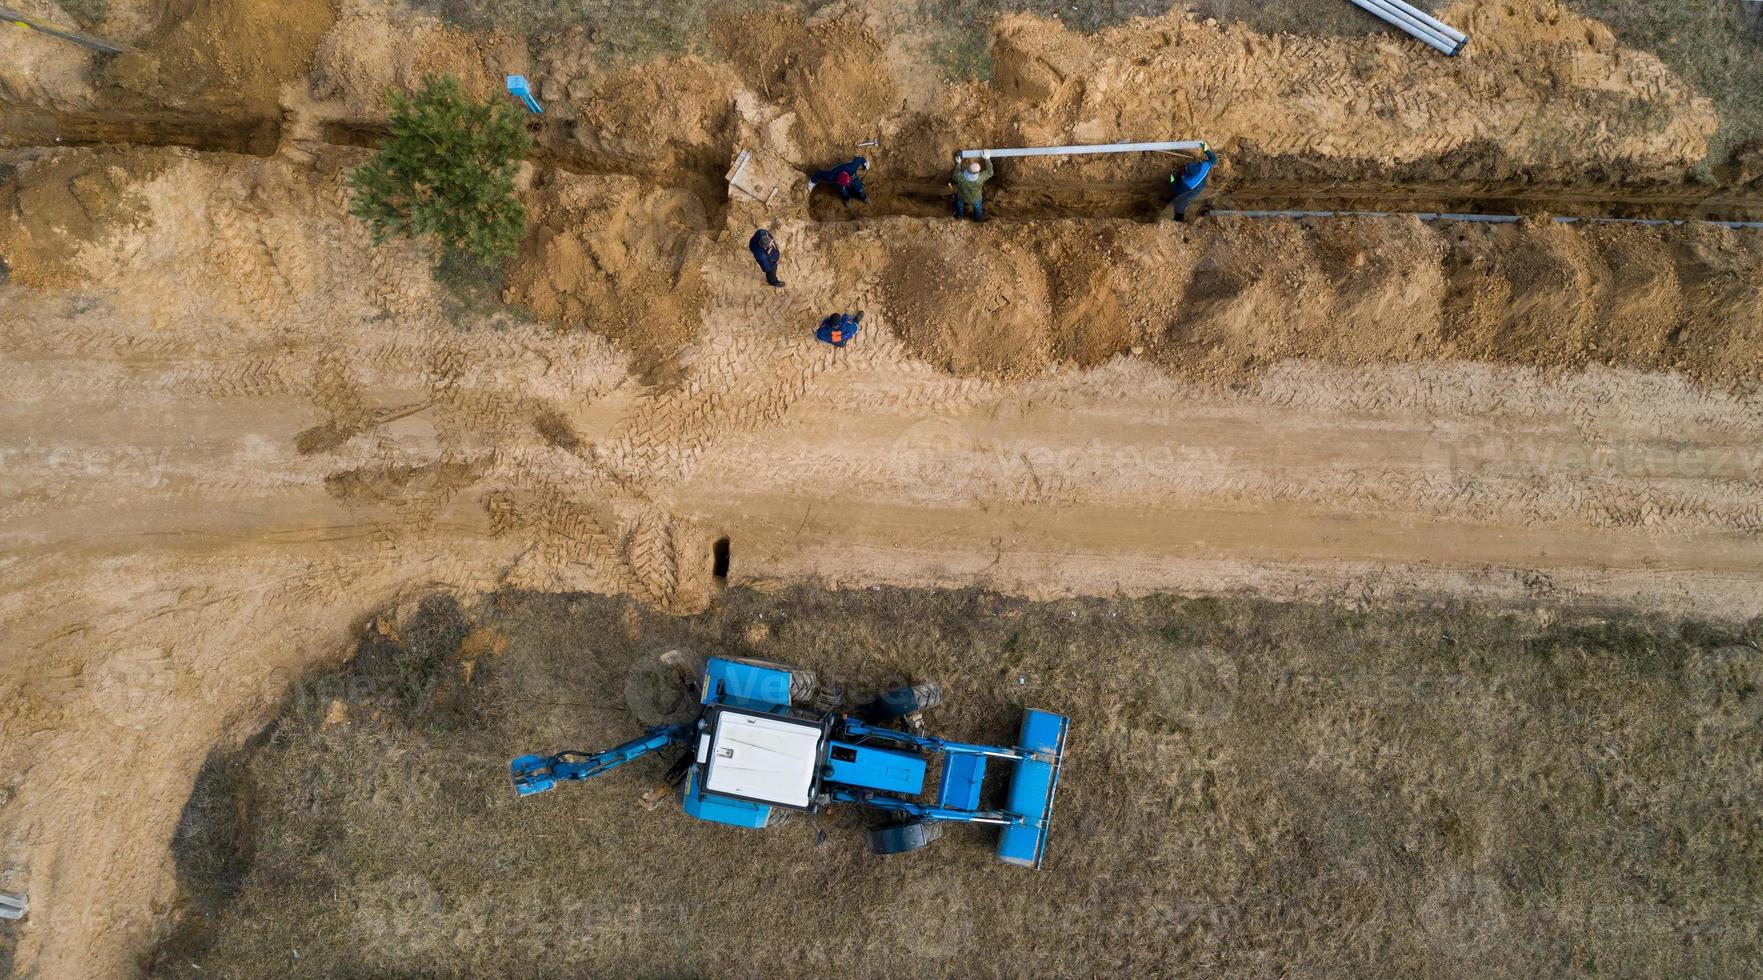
[1415, 28]
[8, 15]
[1491, 219]
[1429, 20]
[1417, 23]
[1053, 151]
[1390, 16]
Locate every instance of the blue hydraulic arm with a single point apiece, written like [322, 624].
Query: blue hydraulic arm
[855, 729]
[538, 773]
[924, 811]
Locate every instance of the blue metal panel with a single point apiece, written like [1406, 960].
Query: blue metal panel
[873, 768]
[745, 685]
[1032, 787]
[720, 809]
[963, 775]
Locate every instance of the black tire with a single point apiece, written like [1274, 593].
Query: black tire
[902, 701]
[803, 683]
[899, 838]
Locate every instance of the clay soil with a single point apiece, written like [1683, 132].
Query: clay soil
[237, 435]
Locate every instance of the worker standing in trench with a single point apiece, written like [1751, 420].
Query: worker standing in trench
[1188, 183]
[969, 184]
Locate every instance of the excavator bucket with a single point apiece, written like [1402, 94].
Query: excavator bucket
[1031, 788]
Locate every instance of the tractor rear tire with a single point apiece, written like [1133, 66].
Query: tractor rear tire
[803, 683]
[899, 838]
[902, 701]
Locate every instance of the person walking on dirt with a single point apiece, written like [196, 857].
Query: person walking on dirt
[1189, 182]
[766, 253]
[838, 328]
[846, 178]
[969, 183]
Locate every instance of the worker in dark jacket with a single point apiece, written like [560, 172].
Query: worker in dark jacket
[765, 252]
[838, 328]
[1186, 184]
[969, 182]
[846, 178]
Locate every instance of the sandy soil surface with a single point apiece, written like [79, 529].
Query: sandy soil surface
[234, 430]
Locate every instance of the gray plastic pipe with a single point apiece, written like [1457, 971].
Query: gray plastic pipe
[1412, 24]
[1491, 219]
[1055, 151]
[1429, 20]
[1422, 22]
[1391, 16]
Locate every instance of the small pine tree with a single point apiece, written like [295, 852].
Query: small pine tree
[448, 171]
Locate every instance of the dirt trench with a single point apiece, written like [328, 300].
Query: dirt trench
[1249, 181]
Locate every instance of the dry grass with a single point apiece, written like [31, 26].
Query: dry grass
[1253, 789]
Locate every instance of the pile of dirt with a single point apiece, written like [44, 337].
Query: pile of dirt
[609, 254]
[374, 48]
[229, 56]
[660, 117]
[1543, 84]
[969, 303]
[1541, 294]
[1223, 301]
[830, 75]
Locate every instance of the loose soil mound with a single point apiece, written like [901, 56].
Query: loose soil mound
[831, 75]
[1543, 84]
[663, 117]
[231, 56]
[969, 304]
[1226, 299]
[374, 48]
[609, 254]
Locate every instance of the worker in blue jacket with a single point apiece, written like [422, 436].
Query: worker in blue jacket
[1187, 183]
[846, 178]
[838, 328]
[766, 253]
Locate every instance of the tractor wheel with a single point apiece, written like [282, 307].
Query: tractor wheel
[662, 689]
[802, 682]
[898, 838]
[902, 701]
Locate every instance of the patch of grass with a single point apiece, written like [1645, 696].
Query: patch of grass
[1714, 44]
[474, 290]
[89, 13]
[966, 54]
[1252, 788]
[618, 29]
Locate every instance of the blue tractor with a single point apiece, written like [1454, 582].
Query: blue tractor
[766, 741]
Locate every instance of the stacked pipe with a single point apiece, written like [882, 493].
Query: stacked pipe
[1422, 25]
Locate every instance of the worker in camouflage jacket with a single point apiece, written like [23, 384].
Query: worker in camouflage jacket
[969, 183]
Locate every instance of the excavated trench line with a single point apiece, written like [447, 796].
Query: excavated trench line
[555, 146]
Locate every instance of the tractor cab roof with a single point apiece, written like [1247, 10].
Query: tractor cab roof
[761, 757]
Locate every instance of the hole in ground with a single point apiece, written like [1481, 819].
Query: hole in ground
[719, 557]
